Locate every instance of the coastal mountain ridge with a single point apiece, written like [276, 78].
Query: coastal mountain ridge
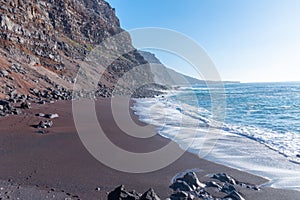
[166, 76]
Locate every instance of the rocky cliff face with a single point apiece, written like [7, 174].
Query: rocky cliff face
[48, 28]
[43, 43]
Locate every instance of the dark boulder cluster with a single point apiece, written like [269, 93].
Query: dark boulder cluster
[7, 108]
[12, 95]
[50, 94]
[120, 193]
[188, 187]
[228, 181]
[15, 104]
[44, 124]
[15, 97]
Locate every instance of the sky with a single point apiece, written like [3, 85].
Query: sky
[248, 41]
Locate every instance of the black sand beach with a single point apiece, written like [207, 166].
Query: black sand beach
[57, 163]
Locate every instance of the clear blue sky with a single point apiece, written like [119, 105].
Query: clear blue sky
[249, 40]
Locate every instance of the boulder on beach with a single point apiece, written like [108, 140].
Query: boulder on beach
[150, 195]
[45, 124]
[40, 115]
[192, 180]
[51, 116]
[224, 178]
[120, 193]
[188, 182]
[180, 185]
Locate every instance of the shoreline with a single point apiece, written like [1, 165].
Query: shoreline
[57, 160]
[231, 148]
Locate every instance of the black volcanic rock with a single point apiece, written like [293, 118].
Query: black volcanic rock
[188, 187]
[192, 180]
[213, 184]
[45, 124]
[225, 178]
[150, 195]
[228, 188]
[52, 116]
[181, 186]
[120, 193]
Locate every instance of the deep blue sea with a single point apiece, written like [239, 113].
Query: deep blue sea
[250, 126]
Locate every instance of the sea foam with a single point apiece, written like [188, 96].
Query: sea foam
[256, 150]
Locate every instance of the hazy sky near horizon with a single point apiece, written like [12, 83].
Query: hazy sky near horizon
[249, 41]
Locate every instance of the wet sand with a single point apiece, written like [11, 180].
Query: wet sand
[57, 162]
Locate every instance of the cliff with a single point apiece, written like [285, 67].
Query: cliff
[43, 43]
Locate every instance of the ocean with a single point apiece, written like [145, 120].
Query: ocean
[254, 127]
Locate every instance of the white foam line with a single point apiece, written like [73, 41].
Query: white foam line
[232, 150]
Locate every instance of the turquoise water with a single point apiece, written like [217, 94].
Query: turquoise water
[266, 112]
[274, 106]
[253, 127]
